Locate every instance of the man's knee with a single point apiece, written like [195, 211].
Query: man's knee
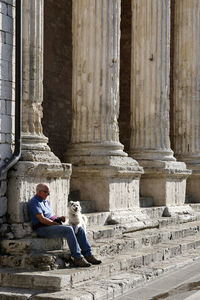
[68, 229]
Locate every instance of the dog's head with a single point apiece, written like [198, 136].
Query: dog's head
[74, 207]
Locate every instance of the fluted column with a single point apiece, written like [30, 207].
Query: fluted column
[150, 84]
[150, 80]
[186, 92]
[33, 140]
[37, 163]
[95, 88]
[102, 172]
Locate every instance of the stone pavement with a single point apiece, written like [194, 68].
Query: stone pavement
[178, 285]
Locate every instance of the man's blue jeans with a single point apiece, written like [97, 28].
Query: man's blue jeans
[78, 244]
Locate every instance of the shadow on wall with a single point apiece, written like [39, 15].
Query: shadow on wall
[125, 74]
[57, 74]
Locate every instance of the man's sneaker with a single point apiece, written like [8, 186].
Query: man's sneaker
[81, 262]
[91, 259]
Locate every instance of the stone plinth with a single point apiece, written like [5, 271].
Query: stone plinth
[22, 182]
[192, 188]
[165, 181]
[111, 182]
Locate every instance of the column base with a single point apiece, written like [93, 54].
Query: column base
[192, 161]
[193, 181]
[95, 149]
[153, 155]
[111, 182]
[35, 148]
[165, 181]
[22, 181]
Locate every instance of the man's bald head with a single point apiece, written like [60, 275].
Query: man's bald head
[42, 190]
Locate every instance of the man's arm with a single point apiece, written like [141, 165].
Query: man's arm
[45, 220]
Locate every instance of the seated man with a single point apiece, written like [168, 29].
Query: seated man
[49, 226]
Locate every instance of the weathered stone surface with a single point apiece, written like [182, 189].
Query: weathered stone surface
[22, 184]
[3, 187]
[165, 182]
[111, 182]
[172, 211]
[3, 206]
[21, 230]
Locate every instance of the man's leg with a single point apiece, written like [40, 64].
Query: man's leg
[83, 242]
[85, 247]
[61, 231]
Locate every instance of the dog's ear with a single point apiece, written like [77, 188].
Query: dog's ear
[70, 203]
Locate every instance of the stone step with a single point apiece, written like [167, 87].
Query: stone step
[106, 288]
[17, 294]
[104, 241]
[70, 277]
[29, 245]
[113, 278]
[195, 206]
[140, 219]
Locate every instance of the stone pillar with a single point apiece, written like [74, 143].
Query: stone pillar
[164, 179]
[101, 170]
[186, 92]
[34, 143]
[37, 163]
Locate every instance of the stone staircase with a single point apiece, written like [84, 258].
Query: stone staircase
[134, 250]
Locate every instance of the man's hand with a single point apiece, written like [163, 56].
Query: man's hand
[62, 219]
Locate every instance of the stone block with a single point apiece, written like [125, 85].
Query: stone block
[21, 230]
[6, 52]
[3, 206]
[30, 244]
[4, 70]
[2, 107]
[51, 282]
[111, 182]
[6, 23]
[3, 8]
[2, 138]
[9, 39]
[10, 2]
[193, 183]
[2, 37]
[164, 181]
[5, 86]
[10, 11]
[6, 124]
[181, 210]
[22, 184]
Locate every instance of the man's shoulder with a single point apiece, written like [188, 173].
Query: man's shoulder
[33, 200]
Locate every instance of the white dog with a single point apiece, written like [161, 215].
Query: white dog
[75, 216]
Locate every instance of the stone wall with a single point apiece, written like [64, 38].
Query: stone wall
[6, 99]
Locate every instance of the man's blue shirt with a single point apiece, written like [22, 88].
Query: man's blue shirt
[37, 205]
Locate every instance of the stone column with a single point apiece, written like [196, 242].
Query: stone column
[37, 163]
[186, 92]
[164, 179]
[101, 169]
[34, 143]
